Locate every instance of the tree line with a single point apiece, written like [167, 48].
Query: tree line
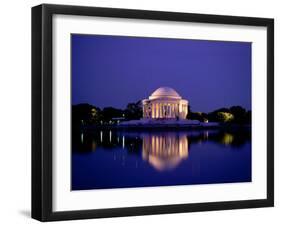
[234, 115]
[87, 114]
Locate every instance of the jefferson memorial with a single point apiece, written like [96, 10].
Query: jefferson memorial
[165, 103]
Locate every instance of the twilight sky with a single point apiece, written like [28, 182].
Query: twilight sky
[116, 70]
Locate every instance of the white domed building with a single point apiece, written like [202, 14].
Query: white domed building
[165, 103]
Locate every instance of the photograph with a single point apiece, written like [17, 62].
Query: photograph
[154, 111]
[141, 112]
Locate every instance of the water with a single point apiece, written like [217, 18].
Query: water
[121, 159]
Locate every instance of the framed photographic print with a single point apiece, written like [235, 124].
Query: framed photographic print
[145, 112]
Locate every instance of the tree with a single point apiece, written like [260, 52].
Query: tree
[96, 115]
[224, 117]
[200, 116]
[85, 114]
[240, 114]
[248, 119]
[109, 112]
[134, 111]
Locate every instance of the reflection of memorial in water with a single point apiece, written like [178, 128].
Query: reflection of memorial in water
[165, 151]
[156, 143]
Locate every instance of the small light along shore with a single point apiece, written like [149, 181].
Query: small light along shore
[151, 124]
[162, 123]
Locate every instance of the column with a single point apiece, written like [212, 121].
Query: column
[169, 111]
[145, 111]
[157, 110]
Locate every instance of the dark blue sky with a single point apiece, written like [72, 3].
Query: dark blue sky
[116, 70]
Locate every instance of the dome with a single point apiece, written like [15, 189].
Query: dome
[164, 92]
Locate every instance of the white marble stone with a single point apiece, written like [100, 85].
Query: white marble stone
[165, 103]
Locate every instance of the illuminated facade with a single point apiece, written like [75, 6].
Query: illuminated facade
[165, 103]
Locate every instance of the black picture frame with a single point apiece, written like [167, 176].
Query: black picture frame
[42, 111]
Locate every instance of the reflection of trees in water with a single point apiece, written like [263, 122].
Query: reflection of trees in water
[135, 142]
[235, 138]
[162, 150]
[108, 140]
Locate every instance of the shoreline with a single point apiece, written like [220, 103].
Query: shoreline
[175, 127]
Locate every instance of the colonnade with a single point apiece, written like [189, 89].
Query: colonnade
[161, 110]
